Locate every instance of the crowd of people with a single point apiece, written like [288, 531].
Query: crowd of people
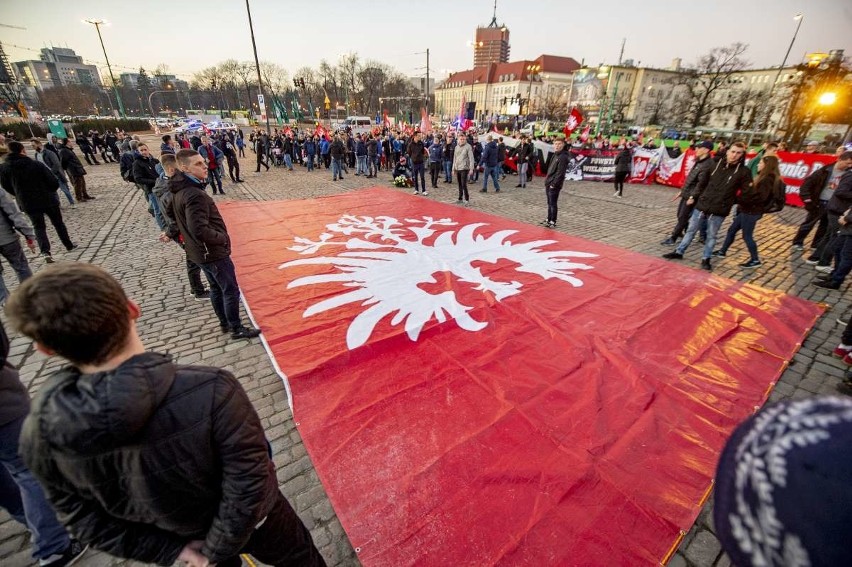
[64, 461]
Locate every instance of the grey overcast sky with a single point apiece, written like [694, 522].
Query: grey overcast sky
[188, 35]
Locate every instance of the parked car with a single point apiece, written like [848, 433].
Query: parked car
[215, 126]
[190, 127]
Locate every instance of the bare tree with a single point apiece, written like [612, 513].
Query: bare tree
[245, 72]
[712, 72]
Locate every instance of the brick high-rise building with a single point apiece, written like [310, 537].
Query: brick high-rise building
[492, 43]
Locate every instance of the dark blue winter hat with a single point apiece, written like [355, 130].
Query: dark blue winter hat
[784, 486]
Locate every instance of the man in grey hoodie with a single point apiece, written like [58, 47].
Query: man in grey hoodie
[12, 220]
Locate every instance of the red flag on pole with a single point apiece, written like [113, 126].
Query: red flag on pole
[584, 135]
[574, 120]
[425, 123]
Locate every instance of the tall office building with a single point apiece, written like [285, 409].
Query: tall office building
[57, 66]
[492, 43]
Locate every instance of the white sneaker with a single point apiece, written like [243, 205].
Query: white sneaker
[416, 192]
[824, 269]
[424, 193]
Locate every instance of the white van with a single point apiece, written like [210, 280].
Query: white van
[358, 124]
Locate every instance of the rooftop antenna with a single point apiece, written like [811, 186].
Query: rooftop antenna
[621, 55]
[493, 23]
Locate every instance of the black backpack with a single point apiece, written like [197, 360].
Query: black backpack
[777, 199]
[126, 166]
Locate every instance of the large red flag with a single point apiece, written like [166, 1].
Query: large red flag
[477, 391]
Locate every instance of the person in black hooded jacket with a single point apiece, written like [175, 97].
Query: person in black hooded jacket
[142, 458]
[34, 187]
[145, 175]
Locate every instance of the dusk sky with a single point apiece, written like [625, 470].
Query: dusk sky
[188, 36]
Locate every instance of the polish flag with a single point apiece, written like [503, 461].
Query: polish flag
[584, 135]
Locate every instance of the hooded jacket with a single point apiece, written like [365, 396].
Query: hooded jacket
[142, 459]
[12, 220]
[144, 171]
[841, 199]
[198, 221]
[726, 180]
[70, 162]
[698, 178]
[32, 183]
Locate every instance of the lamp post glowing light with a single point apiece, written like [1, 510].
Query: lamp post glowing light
[827, 99]
[98, 24]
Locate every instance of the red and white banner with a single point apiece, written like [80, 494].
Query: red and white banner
[573, 122]
[478, 391]
[673, 171]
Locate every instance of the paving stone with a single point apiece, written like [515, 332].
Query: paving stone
[704, 549]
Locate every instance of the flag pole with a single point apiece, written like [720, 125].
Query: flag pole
[257, 66]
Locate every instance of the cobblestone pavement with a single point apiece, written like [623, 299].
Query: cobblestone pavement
[116, 232]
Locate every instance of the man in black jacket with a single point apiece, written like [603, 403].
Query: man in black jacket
[714, 203]
[839, 201]
[142, 458]
[34, 187]
[75, 170]
[554, 180]
[696, 181]
[417, 153]
[815, 192]
[206, 240]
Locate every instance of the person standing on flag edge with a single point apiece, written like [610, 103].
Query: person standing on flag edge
[554, 181]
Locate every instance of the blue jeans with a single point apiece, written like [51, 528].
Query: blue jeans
[214, 178]
[493, 172]
[158, 214]
[842, 259]
[448, 170]
[14, 254]
[714, 222]
[335, 168]
[224, 292]
[288, 161]
[67, 190]
[361, 165]
[419, 170]
[522, 173]
[746, 222]
[310, 161]
[49, 537]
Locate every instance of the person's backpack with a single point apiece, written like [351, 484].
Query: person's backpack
[126, 167]
[777, 199]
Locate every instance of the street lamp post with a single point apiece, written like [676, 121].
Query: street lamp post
[98, 24]
[150, 106]
[531, 70]
[799, 18]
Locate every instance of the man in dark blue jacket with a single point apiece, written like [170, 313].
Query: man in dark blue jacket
[489, 162]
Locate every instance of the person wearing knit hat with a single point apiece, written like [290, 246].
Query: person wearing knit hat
[783, 491]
